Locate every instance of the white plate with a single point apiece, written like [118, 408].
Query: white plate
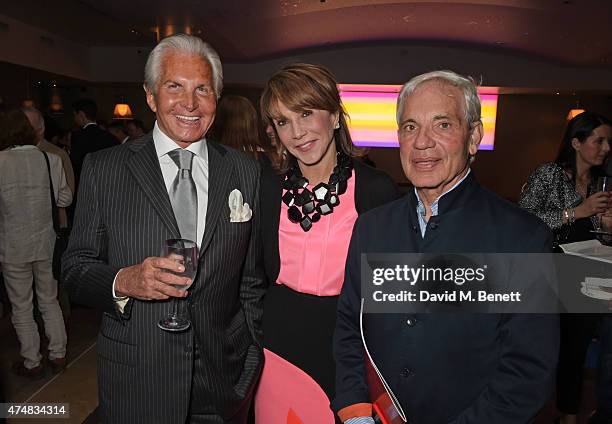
[590, 249]
[601, 232]
[594, 282]
[595, 294]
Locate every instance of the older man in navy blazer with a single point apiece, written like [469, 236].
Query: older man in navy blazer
[462, 368]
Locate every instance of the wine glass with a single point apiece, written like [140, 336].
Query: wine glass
[184, 252]
[604, 183]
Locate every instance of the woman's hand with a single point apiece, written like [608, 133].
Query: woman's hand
[594, 204]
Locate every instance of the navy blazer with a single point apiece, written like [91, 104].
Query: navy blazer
[473, 369]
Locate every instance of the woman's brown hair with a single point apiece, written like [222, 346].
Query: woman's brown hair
[16, 130]
[237, 125]
[305, 86]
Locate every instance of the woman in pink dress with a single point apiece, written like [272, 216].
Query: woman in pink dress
[310, 199]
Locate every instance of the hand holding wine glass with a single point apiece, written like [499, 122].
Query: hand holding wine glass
[156, 278]
[185, 254]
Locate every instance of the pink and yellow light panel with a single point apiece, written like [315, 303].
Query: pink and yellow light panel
[371, 108]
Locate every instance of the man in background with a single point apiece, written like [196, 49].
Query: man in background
[89, 137]
[117, 129]
[135, 129]
[38, 123]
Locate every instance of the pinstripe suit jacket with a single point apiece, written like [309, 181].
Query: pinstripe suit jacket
[145, 375]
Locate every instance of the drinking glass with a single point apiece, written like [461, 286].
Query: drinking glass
[184, 252]
[604, 183]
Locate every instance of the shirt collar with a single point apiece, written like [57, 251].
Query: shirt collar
[24, 147]
[434, 205]
[164, 144]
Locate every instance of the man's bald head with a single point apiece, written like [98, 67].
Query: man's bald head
[37, 121]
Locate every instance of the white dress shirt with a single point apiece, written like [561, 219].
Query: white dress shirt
[199, 171]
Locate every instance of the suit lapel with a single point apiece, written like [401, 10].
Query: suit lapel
[271, 193]
[144, 165]
[219, 175]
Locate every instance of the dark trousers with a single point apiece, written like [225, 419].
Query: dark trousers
[577, 330]
[198, 402]
[239, 418]
[214, 419]
[604, 369]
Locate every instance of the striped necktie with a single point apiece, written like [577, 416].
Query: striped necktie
[183, 194]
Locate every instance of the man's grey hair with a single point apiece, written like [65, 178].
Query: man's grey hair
[187, 44]
[467, 86]
[39, 121]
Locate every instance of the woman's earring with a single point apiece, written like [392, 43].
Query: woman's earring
[337, 126]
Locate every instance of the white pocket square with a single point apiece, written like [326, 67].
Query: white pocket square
[239, 211]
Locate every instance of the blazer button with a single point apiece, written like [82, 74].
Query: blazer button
[411, 322]
[406, 373]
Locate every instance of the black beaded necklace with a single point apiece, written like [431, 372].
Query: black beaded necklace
[322, 199]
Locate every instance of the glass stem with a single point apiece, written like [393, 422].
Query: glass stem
[175, 307]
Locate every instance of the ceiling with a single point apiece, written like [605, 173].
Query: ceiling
[575, 32]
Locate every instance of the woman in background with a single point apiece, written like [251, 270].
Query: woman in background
[309, 206]
[27, 240]
[236, 125]
[561, 194]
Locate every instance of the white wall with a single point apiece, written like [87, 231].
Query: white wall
[396, 64]
[387, 63]
[118, 64]
[21, 44]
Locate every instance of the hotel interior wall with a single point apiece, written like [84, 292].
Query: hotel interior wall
[529, 126]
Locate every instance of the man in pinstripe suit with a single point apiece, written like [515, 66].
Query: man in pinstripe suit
[146, 375]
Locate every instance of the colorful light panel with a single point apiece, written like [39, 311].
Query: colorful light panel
[371, 108]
